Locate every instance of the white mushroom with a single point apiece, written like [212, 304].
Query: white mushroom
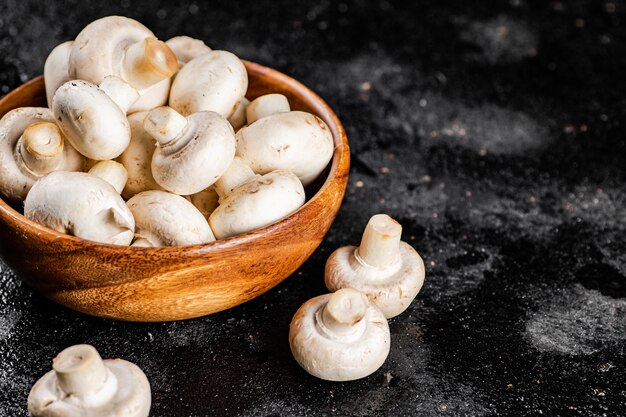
[248, 202]
[216, 81]
[151, 97]
[266, 105]
[82, 205]
[238, 118]
[116, 45]
[297, 141]
[56, 70]
[193, 152]
[112, 172]
[390, 272]
[31, 146]
[94, 119]
[81, 384]
[339, 336]
[137, 158]
[186, 48]
[166, 219]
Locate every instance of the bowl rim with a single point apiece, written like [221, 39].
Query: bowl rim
[341, 157]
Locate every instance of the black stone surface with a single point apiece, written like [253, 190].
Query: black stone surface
[493, 130]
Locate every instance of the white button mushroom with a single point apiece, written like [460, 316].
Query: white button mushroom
[248, 202]
[56, 70]
[266, 105]
[186, 48]
[339, 336]
[81, 384]
[116, 45]
[137, 158]
[193, 152]
[93, 121]
[390, 272]
[297, 141]
[216, 81]
[31, 146]
[82, 205]
[166, 219]
[112, 172]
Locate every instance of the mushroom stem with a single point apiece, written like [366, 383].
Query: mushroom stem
[41, 147]
[112, 172]
[148, 62]
[380, 244]
[122, 93]
[164, 124]
[237, 173]
[343, 315]
[142, 242]
[80, 370]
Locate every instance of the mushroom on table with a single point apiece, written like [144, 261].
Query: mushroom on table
[389, 271]
[340, 336]
[81, 384]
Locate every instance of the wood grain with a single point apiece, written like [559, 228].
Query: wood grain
[161, 284]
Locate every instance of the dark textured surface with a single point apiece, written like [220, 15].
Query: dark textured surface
[492, 130]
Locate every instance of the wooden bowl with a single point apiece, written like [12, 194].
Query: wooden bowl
[173, 283]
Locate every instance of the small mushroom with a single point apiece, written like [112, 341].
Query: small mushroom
[297, 141]
[216, 81]
[56, 70]
[82, 205]
[94, 119]
[339, 336]
[112, 172]
[116, 45]
[193, 152]
[81, 384]
[31, 146]
[248, 201]
[390, 272]
[266, 105]
[186, 48]
[154, 96]
[166, 219]
[238, 118]
[137, 158]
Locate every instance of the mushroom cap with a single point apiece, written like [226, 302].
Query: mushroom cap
[197, 157]
[91, 120]
[392, 289]
[332, 357]
[82, 205]
[238, 118]
[56, 70]
[186, 48]
[297, 141]
[137, 158]
[14, 181]
[206, 201]
[154, 96]
[257, 203]
[99, 47]
[129, 393]
[215, 81]
[166, 219]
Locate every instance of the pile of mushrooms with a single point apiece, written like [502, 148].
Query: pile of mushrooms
[344, 335]
[150, 143]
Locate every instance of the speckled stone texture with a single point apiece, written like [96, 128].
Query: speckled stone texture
[493, 130]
